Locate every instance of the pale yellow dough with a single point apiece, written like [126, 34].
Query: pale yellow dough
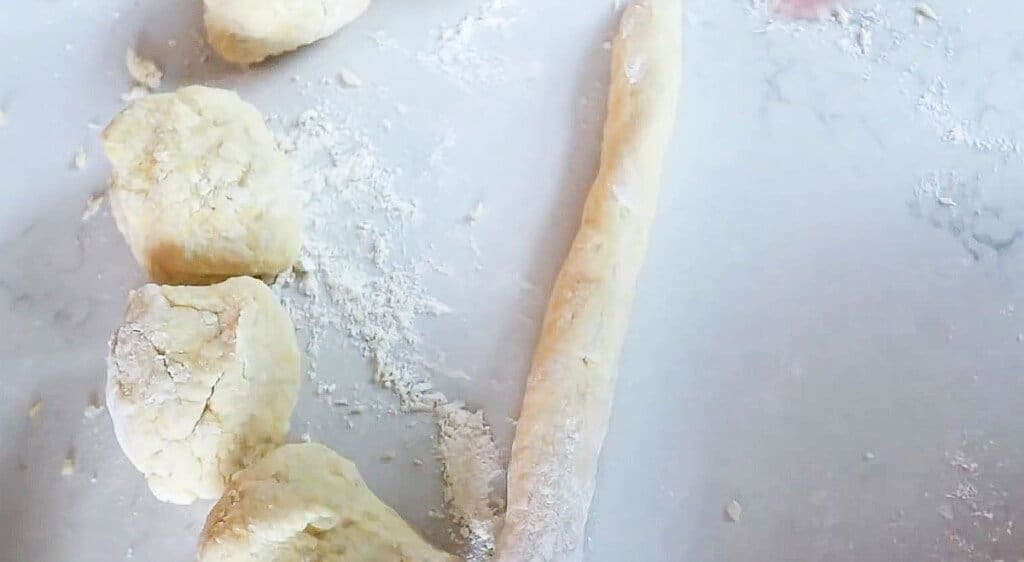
[200, 382]
[200, 190]
[571, 382]
[304, 503]
[248, 31]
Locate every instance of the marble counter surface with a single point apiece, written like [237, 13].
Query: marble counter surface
[826, 330]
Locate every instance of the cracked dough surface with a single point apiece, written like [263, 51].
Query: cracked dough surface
[200, 381]
[200, 190]
[304, 502]
[248, 31]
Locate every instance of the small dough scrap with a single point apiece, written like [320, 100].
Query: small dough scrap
[200, 190]
[144, 72]
[200, 382]
[248, 31]
[304, 502]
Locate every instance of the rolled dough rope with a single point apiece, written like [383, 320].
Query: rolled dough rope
[569, 388]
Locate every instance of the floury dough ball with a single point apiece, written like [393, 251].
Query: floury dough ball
[201, 381]
[303, 502]
[248, 31]
[200, 190]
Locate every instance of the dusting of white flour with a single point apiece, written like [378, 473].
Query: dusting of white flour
[917, 43]
[979, 203]
[353, 280]
[469, 475]
[453, 54]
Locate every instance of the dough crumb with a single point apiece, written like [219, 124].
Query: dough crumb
[476, 213]
[923, 12]
[841, 15]
[864, 40]
[137, 92]
[349, 79]
[35, 408]
[92, 206]
[868, 456]
[92, 411]
[733, 511]
[67, 468]
[80, 159]
[143, 71]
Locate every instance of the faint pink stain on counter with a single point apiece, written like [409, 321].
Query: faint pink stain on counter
[807, 9]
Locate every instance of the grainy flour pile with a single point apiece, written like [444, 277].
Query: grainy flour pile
[453, 54]
[469, 473]
[351, 281]
[345, 279]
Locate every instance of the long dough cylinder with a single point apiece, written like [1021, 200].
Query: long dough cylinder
[570, 385]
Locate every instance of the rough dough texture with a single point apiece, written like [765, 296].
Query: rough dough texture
[302, 503]
[200, 381]
[200, 190]
[570, 386]
[248, 31]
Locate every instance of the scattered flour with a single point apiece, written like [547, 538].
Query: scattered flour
[977, 511]
[980, 203]
[470, 473]
[953, 128]
[346, 278]
[354, 279]
[987, 219]
[453, 54]
[983, 211]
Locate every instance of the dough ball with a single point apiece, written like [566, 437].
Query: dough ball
[200, 190]
[304, 502]
[200, 382]
[248, 31]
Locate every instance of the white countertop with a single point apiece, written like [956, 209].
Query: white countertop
[825, 329]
